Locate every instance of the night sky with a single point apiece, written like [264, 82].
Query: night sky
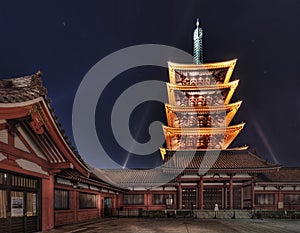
[64, 39]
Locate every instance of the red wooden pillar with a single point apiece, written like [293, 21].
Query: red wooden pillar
[148, 199]
[200, 193]
[252, 193]
[230, 193]
[73, 204]
[76, 206]
[242, 197]
[99, 204]
[48, 203]
[179, 193]
[279, 197]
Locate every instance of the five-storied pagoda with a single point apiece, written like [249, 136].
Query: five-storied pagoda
[199, 134]
[199, 112]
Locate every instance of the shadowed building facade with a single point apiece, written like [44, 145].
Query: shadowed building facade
[43, 180]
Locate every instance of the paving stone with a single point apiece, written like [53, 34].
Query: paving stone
[143, 225]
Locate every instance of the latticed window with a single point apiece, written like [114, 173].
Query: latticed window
[292, 199]
[264, 199]
[3, 203]
[133, 199]
[87, 201]
[25, 182]
[61, 199]
[31, 203]
[163, 199]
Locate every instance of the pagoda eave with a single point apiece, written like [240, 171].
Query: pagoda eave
[219, 115]
[204, 131]
[209, 67]
[232, 84]
[204, 109]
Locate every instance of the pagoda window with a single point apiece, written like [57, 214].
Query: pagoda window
[193, 81]
[133, 199]
[186, 80]
[61, 199]
[183, 122]
[87, 201]
[200, 100]
[200, 81]
[192, 120]
[207, 80]
[264, 199]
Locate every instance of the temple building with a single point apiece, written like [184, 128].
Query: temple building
[45, 183]
[43, 180]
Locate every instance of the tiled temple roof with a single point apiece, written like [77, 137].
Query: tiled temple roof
[214, 160]
[94, 179]
[229, 161]
[127, 178]
[284, 175]
[22, 89]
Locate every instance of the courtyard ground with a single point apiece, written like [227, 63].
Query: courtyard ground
[144, 225]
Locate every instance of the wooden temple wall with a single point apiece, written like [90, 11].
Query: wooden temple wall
[148, 200]
[275, 197]
[75, 212]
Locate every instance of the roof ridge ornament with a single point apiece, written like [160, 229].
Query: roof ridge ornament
[198, 48]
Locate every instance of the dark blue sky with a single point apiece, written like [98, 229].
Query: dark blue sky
[64, 39]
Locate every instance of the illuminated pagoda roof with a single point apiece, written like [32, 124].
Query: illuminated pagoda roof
[221, 94]
[200, 138]
[216, 115]
[219, 72]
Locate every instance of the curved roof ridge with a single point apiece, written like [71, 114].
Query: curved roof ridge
[19, 90]
[251, 153]
[22, 89]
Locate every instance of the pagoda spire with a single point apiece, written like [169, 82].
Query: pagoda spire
[198, 48]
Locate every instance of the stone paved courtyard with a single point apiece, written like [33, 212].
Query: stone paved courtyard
[142, 225]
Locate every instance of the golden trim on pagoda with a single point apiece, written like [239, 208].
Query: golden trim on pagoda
[201, 138]
[219, 94]
[219, 71]
[204, 116]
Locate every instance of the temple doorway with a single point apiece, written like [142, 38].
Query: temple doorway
[212, 196]
[189, 198]
[107, 207]
[19, 203]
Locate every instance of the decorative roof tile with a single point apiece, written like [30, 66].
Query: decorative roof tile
[22, 89]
